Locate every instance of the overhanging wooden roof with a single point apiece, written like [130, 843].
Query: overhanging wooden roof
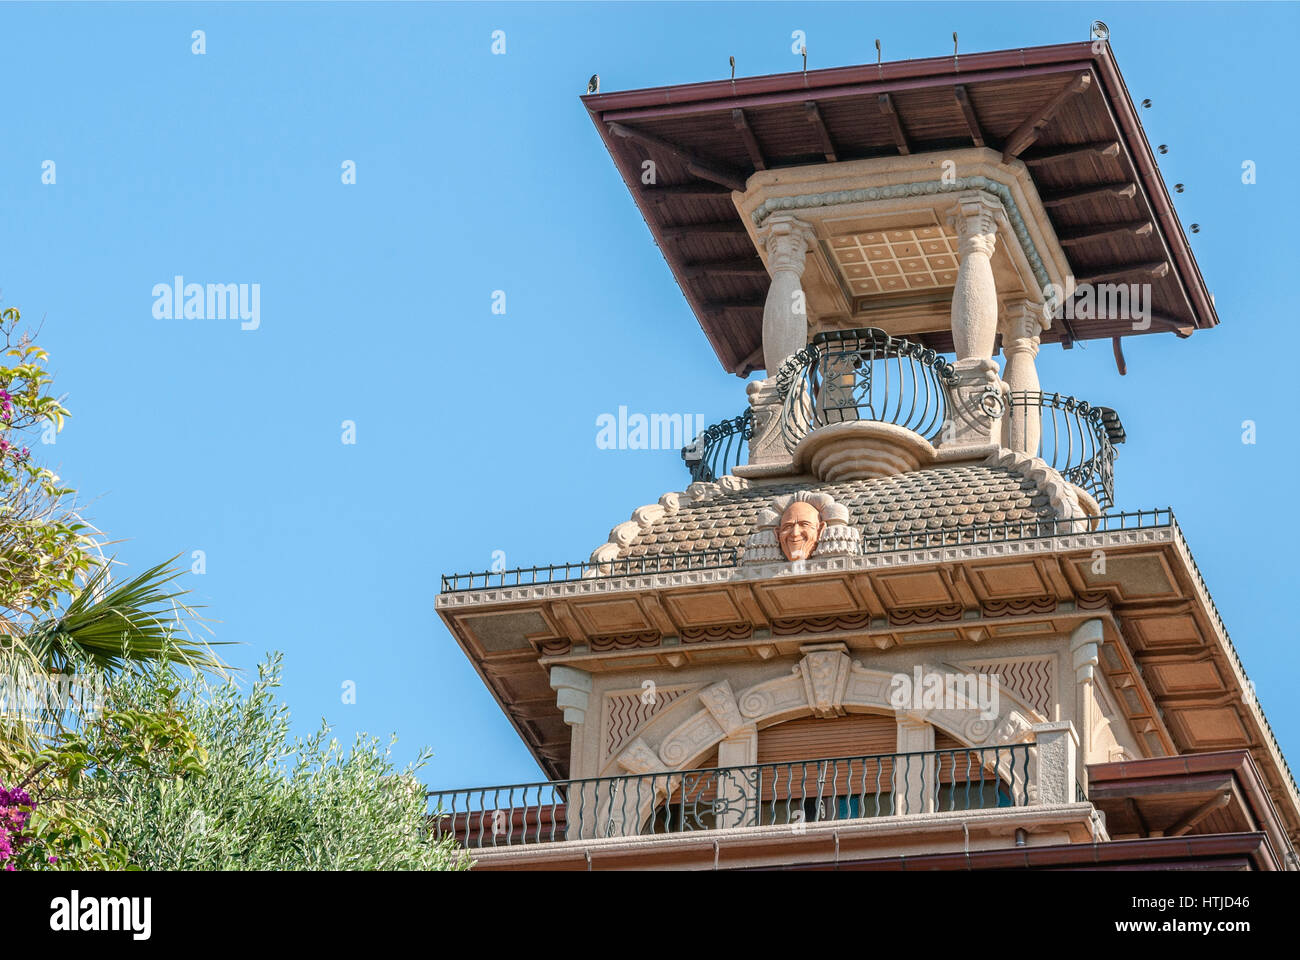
[1064, 110]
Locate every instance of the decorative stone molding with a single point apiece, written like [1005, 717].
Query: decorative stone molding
[638, 758]
[627, 713]
[1061, 494]
[861, 450]
[838, 539]
[786, 240]
[721, 702]
[826, 683]
[625, 533]
[572, 690]
[825, 675]
[716, 633]
[1032, 679]
[794, 626]
[690, 739]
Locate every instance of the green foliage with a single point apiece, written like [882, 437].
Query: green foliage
[64, 778]
[266, 801]
[44, 545]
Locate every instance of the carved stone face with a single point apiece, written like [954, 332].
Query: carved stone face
[801, 527]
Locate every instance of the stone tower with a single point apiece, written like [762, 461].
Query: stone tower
[894, 611]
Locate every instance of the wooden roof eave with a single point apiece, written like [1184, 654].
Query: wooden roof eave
[1137, 151]
[680, 274]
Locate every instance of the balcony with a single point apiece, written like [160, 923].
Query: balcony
[794, 795]
[865, 375]
[1073, 437]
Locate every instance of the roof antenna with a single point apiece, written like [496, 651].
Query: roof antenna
[733, 69]
[593, 85]
[954, 49]
[804, 50]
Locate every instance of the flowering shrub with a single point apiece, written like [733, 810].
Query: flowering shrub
[15, 811]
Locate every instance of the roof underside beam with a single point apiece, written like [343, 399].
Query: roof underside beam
[823, 135]
[1108, 149]
[1130, 228]
[1028, 131]
[1152, 270]
[751, 142]
[725, 228]
[1116, 191]
[696, 165]
[729, 268]
[968, 111]
[697, 190]
[886, 103]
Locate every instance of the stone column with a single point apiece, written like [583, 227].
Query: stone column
[1022, 323]
[737, 793]
[785, 315]
[974, 296]
[977, 400]
[1054, 774]
[1085, 647]
[914, 777]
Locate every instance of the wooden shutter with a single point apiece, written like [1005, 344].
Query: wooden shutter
[813, 738]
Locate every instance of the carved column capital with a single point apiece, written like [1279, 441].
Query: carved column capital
[975, 220]
[786, 240]
[1022, 320]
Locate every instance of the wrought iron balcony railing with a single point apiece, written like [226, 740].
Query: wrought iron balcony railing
[863, 374]
[720, 448]
[795, 793]
[1072, 436]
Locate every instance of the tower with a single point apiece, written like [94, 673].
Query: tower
[894, 612]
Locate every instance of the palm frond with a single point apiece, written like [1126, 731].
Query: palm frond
[139, 620]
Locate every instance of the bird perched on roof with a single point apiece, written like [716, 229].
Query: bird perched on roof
[593, 85]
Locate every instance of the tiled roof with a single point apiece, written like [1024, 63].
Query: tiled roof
[942, 498]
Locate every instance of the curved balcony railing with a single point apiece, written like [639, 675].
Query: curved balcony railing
[1072, 436]
[863, 374]
[720, 448]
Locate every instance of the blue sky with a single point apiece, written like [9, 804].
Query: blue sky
[476, 432]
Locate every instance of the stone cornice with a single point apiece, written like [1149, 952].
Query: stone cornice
[918, 556]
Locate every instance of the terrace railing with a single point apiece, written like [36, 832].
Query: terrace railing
[863, 374]
[794, 793]
[719, 448]
[871, 543]
[1073, 437]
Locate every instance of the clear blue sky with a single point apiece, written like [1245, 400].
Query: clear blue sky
[477, 432]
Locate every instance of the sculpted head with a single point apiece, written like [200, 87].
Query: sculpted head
[800, 529]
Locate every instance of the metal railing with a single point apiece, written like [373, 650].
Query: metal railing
[1072, 436]
[871, 543]
[863, 374]
[794, 793]
[719, 448]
